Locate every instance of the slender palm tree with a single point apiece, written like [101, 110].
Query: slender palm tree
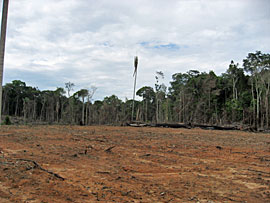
[134, 74]
[2, 48]
[83, 93]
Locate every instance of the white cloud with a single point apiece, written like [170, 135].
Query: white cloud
[93, 42]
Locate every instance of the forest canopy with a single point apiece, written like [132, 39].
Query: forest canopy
[239, 96]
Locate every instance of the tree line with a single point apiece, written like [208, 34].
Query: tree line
[240, 96]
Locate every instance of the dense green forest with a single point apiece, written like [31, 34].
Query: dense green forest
[240, 96]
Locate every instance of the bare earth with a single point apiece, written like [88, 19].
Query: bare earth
[125, 164]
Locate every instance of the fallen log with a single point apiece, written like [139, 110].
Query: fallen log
[137, 124]
[184, 125]
[172, 125]
[215, 127]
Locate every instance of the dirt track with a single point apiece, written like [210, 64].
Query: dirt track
[125, 164]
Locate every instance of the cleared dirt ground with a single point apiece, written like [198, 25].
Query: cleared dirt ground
[125, 164]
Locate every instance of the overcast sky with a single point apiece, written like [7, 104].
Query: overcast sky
[93, 42]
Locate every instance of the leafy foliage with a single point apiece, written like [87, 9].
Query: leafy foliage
[238, 96]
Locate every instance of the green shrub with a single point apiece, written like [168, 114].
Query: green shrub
[7, 121]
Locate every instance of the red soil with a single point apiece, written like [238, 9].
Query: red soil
[125, 164]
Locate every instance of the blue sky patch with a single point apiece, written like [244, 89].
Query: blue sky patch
[169, 46]
[159, 46]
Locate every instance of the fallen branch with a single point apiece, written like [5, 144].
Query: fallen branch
[103, 172]
[109, 149]
[36, 165]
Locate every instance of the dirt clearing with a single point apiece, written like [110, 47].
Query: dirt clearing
[125, 164]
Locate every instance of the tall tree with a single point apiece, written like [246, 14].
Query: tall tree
[58, 94]
[69, 87]
[177, 93]
[90, 95]
[148, 95]
[82, 94]
[233, 72]
[266, 82]
[2, 49]
[136, 61]
[256, 64]
[160, 94]
[236, 82]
